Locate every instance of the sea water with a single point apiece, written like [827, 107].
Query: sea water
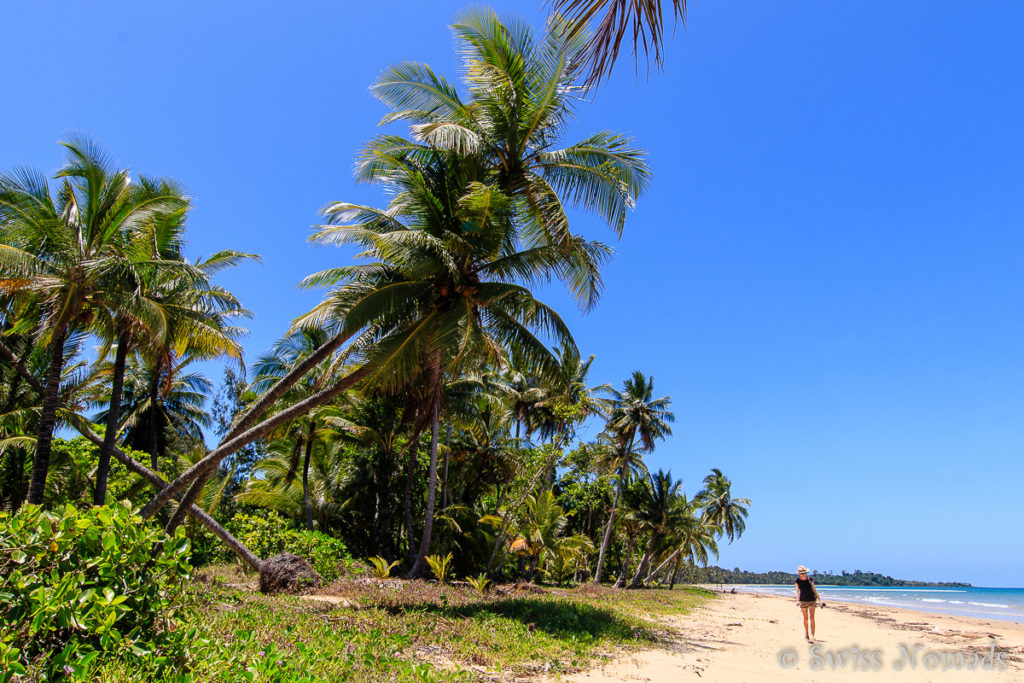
[984, 603]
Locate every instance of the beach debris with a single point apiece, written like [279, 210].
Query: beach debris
[331, 600]
[287, 573]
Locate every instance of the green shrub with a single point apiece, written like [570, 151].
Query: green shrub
[83, 583]
[327, 554]
[271, 534]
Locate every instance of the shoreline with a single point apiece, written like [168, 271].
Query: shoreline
[745, 636]
[832, 599]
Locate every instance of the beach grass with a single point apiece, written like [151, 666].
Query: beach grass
[419, 630]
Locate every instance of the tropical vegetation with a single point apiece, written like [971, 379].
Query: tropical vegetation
[423, 419]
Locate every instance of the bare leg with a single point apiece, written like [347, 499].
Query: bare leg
[811, 609]
[806, 634]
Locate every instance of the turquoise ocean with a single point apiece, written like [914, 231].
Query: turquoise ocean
[985, 603]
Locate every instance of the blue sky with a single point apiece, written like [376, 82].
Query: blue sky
[825, 275]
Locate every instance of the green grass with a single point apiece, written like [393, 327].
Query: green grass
[418, 631]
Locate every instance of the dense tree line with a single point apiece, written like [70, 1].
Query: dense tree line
[428, 405]
[715, 574]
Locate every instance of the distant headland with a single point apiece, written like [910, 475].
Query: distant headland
[715, 574]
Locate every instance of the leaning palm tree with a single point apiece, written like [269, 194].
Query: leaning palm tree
[689, 538]
[634, 415]
[720, 508]
[69, 253]
[613, 18]
[490, 157]
[434, 299]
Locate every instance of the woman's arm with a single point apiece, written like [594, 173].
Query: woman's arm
[796, 587]
[815, 589]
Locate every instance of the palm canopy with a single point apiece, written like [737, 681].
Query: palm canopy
[636, 414]
[644, 18]
[658, 503]
[521, 98]
[76, 253]
[438, 291]
[162, 403]
[720, 508]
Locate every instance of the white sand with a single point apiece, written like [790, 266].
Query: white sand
[752, 637]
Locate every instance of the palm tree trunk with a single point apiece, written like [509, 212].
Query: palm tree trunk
[154, 417]
[198, 473]
[636, 582]
[607, 533]
[113, 417]
[410, 542]
[662, 565]
[428, 517]
[675, 571]
[305, 478]
[621, 581]
[447, 455]
[47, 418]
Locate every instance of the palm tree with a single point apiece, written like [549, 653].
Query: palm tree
[434, 300]
[644, 17]
[376, 424]
[657, 509]
[70, 255]
[720, 508]
[690, 538]
[275, 486]
[541, 531]
[568, 389]
[522, 98]
[304, 433]
[485, 160]
[23, 365]
[158, 405]
[634, 414]
[196, 314]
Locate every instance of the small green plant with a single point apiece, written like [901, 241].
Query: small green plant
[480, 583]
[440, 566]
[380, 568]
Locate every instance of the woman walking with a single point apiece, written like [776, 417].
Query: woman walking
[807, 598]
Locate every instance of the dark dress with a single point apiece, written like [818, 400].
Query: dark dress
[806, 587]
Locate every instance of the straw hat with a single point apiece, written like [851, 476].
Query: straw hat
[801, 569]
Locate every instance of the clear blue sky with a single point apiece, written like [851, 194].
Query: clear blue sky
[825, 276]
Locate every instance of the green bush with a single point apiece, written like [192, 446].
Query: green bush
[83, 583]
[270, 534]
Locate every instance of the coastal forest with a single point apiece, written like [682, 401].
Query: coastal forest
[714, 574]
[417, 432]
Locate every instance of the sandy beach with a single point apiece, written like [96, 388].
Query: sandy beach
[754, 637]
